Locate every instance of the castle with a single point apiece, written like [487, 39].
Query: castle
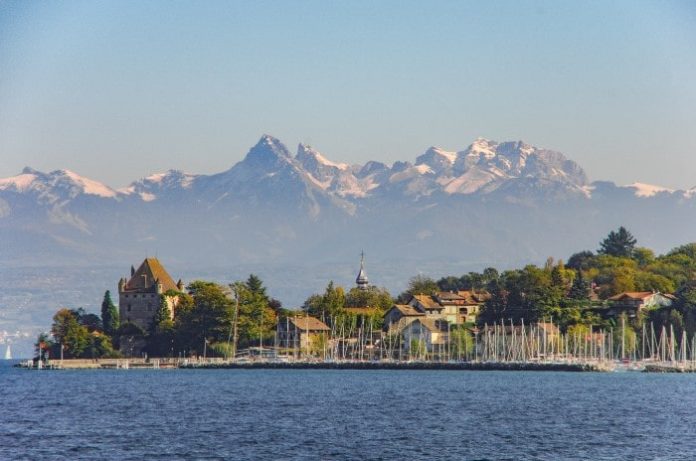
[139, 297]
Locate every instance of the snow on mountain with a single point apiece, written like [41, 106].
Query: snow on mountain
[309, 180]
[480, 151]
[56, 185]
[438, 160]
[153, 186]
[20, 183]
[648, 190]
[473, 180]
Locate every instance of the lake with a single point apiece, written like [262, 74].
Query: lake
[342, 414]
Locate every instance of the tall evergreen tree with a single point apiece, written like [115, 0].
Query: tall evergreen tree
[160, 341]
[163, 314]
[109, 314]
[255, 285]
[580, 290]
[619, 243]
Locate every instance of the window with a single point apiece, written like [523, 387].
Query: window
[129, 308]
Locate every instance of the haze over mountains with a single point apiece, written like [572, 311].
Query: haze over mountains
[489, 203]
[301, 219]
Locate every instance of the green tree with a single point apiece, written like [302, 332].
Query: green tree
[255, 285]
[67, 331]
[419, 285]
[327, 305]
[581, 260]
[378, 298]
[580, 289]
[43, 345]
[620, 243]
[160, 340]
[496, 307]
[644, 256]
[685, 303]
[205, 318]
[109, 314]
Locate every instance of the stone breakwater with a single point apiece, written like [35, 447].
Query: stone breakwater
[474, 366]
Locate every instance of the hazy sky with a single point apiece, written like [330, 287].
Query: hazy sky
[119, 90]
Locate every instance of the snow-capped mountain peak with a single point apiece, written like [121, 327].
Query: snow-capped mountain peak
[267, 151]
[20, 183]
[153, 186]
[55, 185]
[312, 158]
[439, 160]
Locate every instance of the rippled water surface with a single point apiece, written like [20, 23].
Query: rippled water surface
[317, 414]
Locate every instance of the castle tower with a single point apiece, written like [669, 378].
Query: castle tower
[361, 280]
[139, 296]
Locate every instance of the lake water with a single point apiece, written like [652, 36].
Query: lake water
[336, 415]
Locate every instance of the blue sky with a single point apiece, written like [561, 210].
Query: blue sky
[119, 90]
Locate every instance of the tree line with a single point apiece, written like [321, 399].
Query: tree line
[209, 318]
[214, 319]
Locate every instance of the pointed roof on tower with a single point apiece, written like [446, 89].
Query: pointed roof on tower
[148, 274]
[361, 279]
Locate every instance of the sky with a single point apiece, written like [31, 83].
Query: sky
[117, 90]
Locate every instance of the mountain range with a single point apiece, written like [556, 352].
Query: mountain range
[488, 200]
[303, 219]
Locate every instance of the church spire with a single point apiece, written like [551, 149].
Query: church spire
[361, 280]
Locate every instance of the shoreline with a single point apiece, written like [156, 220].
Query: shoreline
[157, 364]
[461, 366]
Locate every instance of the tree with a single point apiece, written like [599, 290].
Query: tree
[643, 256]
[255, 285]
[162, 315]
[619, 243]
[495, 307]
[326, 305]
[110, 316]
[580, 261]
[208, 318]
[580, 289]
[43, 345]
[160, 340]
[257, 320]
[73, 337]
[378, 298]
[419, 285]
[685, 303]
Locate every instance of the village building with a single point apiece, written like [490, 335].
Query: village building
[632, 303]
[140, 296]
[473, 301]
[428, 305]
[426, 335]
[457, 308]
[400, 315]
[301, 333]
